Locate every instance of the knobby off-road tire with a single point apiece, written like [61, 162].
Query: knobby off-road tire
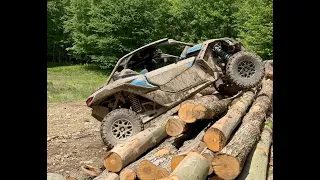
[245, 69]
[118, 125]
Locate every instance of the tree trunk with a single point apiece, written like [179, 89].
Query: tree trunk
[105, 175]
[193, 167]
[196, 145]
[229, 162]
[215, 177]
[165, 149]
[218, 134]
[210, 110]
[268, 68]
[209, 155]
[125, 153]
[146, 170]
[175, 126]
[256, 165]
[185, 111]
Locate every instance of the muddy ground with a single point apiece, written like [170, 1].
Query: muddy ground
[73, 139]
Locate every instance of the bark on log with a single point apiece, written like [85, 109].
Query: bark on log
[193, 167]
[106, 175]
[218, 134]
[196, 145]
[208, 111]
[256, 165]
[209, 155]
[125, 153]
[268, 68]
[229, 162]
[185, 111]
[175, 126]
[165, 149]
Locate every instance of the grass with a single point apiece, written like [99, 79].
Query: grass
[67, 82]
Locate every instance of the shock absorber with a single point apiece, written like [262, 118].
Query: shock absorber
[136, 106]
[221, 53]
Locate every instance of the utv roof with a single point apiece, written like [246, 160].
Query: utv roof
[165, 41]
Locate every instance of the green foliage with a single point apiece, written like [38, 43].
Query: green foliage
[102, 31]
[67, 82]
[255, 25]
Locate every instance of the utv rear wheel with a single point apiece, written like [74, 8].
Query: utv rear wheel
[119, 125]
[245, 69]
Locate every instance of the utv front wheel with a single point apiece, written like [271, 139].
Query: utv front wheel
[245, 69]
[119, 125]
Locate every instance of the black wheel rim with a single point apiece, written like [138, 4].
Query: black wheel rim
[246, 69]
[122, 129]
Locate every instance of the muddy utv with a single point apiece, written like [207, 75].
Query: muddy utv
[129, 99]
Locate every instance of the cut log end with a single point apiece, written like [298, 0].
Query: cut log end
[214, 139]
[185, 113]
[162, 152]
[161, 173]
[146, 170]
[113, 162]
[226, 166]
[127, 174]
[199, 111]
[215, 178]
[176, 161]
[174, 127]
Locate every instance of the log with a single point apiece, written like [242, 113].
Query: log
[146, 170]
[175, 126]
[196, 145]
[268, 69]
[209, 155]
[193, 167]
[185, 111]
[217, 135]
[229, 162]
[124, 153]
[210, 110]
[165, 149]
[256, 165]
[106, 175]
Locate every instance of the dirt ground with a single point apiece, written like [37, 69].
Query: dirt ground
[73, 139]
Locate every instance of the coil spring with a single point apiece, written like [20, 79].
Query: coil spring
[220, 52]
[136, 106]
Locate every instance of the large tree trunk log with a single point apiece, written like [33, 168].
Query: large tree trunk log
[186, 110]
[105, 175]
[195, 145]
[175, 126]
[165, 149]
[218, 134]
[268, 68]
[193, 167]
[229, 162]
[123, 154]
[256, 165]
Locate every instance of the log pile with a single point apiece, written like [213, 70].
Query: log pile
[207, 137]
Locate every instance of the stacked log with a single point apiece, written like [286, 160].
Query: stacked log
[205, 137]
[229, 162]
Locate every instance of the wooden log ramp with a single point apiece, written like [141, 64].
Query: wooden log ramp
[205, 107]
[229, 162]
[193, 167]
[217, 135]
[256, 165]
